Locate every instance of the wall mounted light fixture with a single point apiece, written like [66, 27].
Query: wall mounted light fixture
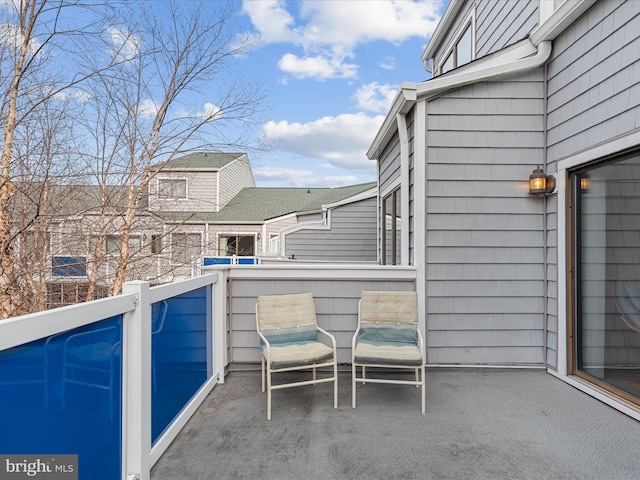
[540, 183]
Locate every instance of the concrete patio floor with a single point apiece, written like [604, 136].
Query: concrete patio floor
[480, 424]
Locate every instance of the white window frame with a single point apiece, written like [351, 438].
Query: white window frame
[469, 22]
[172, 180]
[616, 146]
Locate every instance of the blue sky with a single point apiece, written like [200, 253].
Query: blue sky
[332, 68]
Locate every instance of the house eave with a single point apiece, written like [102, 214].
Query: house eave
[448, 17]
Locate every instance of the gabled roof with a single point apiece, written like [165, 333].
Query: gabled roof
[258, 204]
[201, 161]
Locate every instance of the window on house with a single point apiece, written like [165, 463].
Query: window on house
[69, 266]
[462, 51]
[392, 215]
[112, 245]
[172, 188]
[240, 245]
[185, 247]
[606, 274]
[156, 244]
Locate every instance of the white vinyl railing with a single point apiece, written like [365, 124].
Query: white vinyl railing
[135, 306]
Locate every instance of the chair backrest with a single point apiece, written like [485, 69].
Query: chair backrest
[388, 308]
[287, 318]
[388, 317]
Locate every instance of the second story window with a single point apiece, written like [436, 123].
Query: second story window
[172, 188]
[462, 51]
[391, 228]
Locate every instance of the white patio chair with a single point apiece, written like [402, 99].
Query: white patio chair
[288, 332]
[388, 337]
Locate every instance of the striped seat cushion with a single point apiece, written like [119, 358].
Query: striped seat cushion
[301, 334]
[398, 335]
[388, 354]
[292, 355]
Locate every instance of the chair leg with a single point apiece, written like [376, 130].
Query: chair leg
[417, 377]
[353, 385]
[262, 372]
[424, 384]
[335, 384]
[268, 392]
[315, 376]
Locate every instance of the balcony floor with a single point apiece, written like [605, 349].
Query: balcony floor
[479, 424]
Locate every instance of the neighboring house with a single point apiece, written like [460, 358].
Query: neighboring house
[345, 230]
[200, 208]
[257, 219]
[509, 277]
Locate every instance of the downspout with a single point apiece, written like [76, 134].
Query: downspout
[545, 243]
[404, 188]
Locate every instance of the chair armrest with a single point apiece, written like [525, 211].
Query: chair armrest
[331, 337]
[267, 345]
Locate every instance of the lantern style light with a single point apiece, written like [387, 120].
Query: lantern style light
[540, 183]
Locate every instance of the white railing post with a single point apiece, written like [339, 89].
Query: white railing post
[219, 324]
[136, 385]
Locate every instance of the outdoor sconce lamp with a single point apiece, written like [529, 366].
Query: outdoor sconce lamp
[540, 183]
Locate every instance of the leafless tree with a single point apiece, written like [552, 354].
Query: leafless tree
[142, 115]
[129, 74]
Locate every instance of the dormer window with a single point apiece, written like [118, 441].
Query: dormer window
[172, 188]
[461, 52]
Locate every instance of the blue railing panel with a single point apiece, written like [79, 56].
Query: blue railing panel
[63, 395]
[181, 352]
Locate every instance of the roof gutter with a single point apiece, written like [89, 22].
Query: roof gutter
[509, 60]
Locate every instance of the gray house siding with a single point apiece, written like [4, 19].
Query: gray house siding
[593, 92]
[593, 97]
[499, 24]
[484, 242]
[233, 178]
[351, 236]
[336, 302]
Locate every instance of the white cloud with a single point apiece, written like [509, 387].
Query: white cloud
[318, 67]
[350, 23]
[374, 97]
[328, 31]
[124, 45]
[342, 141]
[388, 63]
[210, 111]
[147, 108]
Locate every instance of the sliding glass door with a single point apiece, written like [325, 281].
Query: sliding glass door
[605, 203]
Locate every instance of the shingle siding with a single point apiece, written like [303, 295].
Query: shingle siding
[594, 85]
[351, 237]
[503, 23]
[484, 232]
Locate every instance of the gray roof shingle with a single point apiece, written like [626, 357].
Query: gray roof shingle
[258, 204]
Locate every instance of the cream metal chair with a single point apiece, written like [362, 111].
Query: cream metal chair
[288, 333]
[388, 336]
